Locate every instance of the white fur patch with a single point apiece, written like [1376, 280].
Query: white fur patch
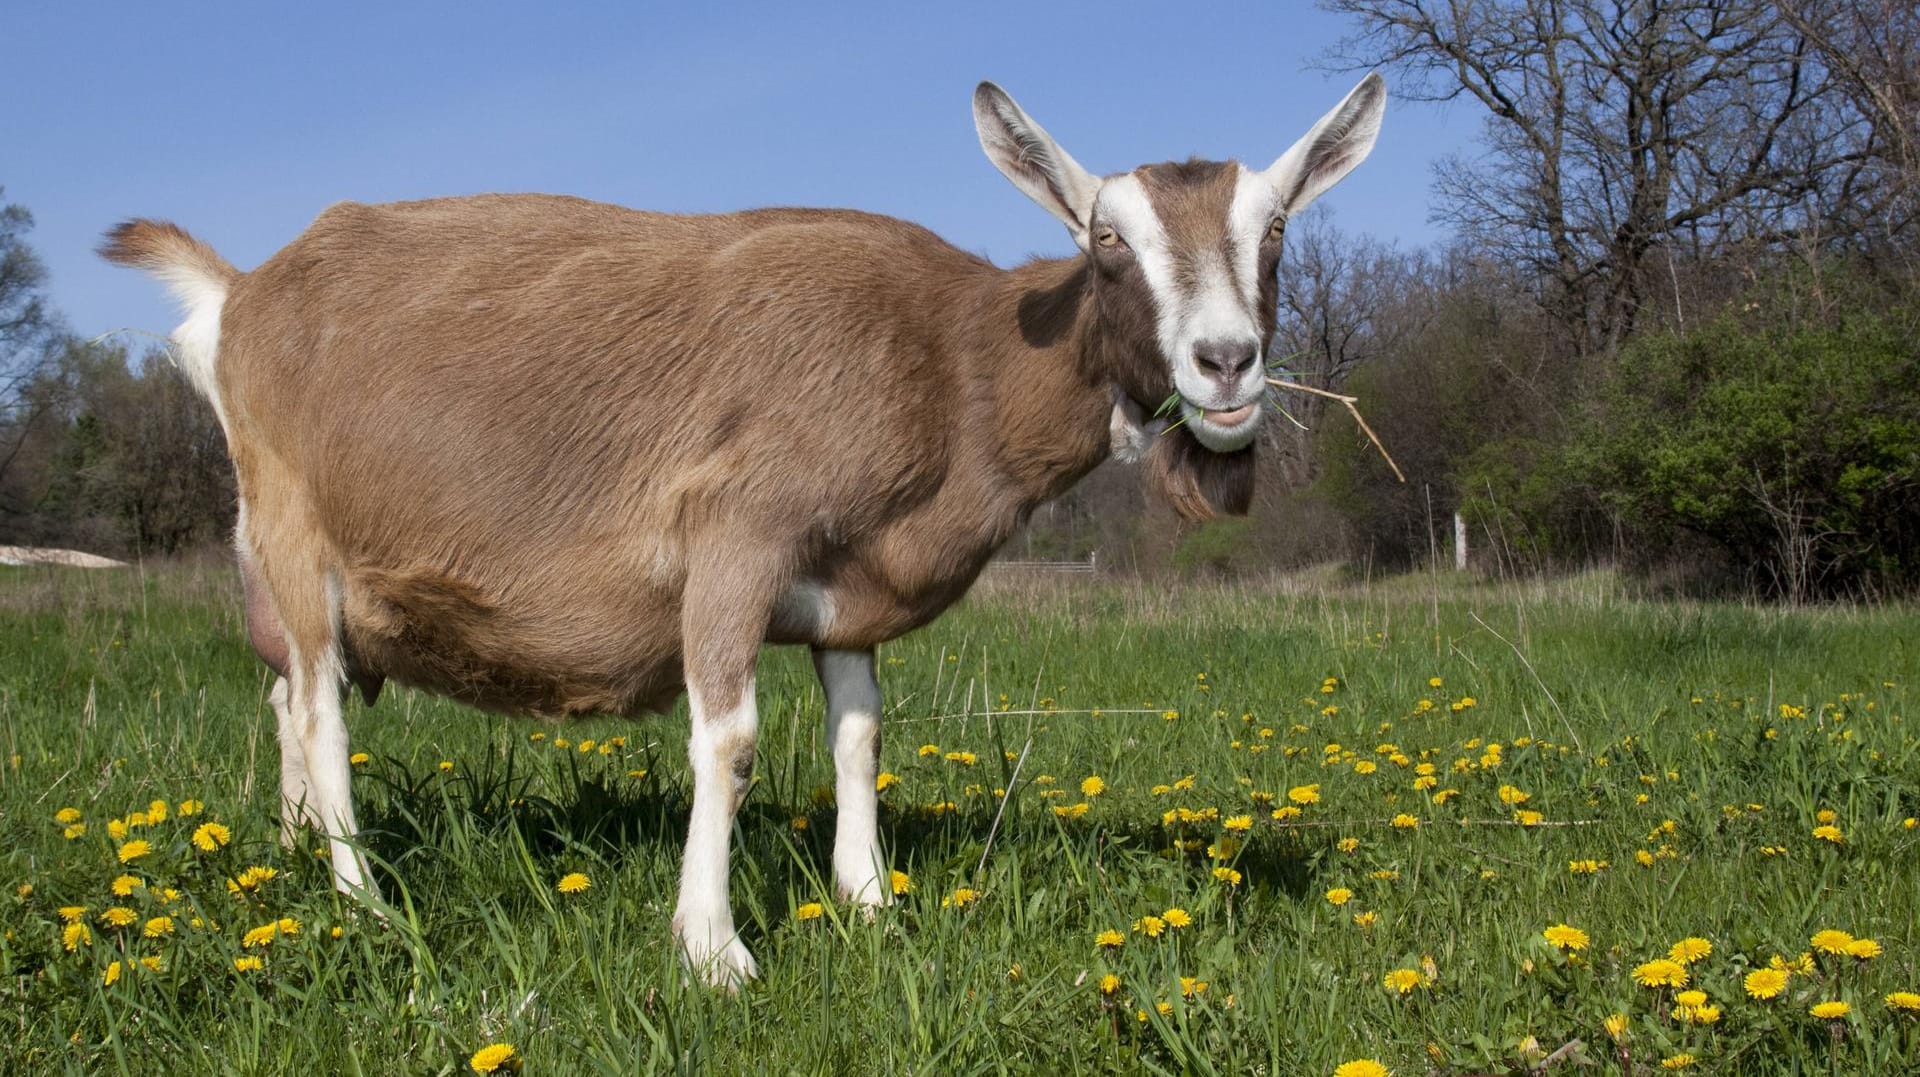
[703, 917]
[197, 340]
[805, 611]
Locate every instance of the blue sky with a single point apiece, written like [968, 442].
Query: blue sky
[241, 122]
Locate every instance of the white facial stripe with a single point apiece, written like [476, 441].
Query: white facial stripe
[1124, 203]
[1255, 204]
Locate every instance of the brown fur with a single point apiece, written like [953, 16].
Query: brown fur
[556, 454]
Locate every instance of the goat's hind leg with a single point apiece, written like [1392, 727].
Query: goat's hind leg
[269, 639]
[293, 619]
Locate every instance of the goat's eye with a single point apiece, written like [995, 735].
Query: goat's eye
[1276, 229]
[1108, 238]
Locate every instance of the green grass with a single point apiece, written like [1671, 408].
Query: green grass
[1737, 724]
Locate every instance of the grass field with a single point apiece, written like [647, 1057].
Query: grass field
[1233, 782]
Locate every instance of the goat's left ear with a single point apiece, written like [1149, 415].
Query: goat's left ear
[1027, 155]
[1341, 140]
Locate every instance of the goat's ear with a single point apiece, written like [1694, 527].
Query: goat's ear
[1341, 140]
[1035, 163]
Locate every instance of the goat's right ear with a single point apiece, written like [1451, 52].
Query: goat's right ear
[1035, 163]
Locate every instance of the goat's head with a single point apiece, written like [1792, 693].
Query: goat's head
[1182, 258]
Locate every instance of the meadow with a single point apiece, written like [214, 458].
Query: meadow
[1303, 827]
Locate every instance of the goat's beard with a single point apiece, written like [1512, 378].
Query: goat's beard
[1199, 483]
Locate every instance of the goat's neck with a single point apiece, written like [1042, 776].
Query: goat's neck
[1050, 381]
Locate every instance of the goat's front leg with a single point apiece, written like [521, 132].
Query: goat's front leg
[722, 627]
[853, 729]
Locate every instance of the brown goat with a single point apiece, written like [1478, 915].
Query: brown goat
[545, 455]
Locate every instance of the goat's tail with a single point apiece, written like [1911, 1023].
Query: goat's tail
[198, 277]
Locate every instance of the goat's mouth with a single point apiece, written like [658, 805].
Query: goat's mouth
[1223, 429]
[1231, 418]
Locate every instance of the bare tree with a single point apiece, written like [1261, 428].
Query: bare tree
[1615, 129]
[1872, 49]
[27, 329]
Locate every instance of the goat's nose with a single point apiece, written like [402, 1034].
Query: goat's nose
[1225, 361]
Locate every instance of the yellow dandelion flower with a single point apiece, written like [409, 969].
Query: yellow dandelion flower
[67, 816]
[573, 882]
[1904, 1000]
[1304, 794]
[1677, 1062]
[259, 936]
[1830, 833]
[929, 750]
[1177, 917]
[190, 807]
[884, 779]
[1227, 875]
[112, 975]
[1512, 796]
[1403, 821]
[1566, 937]
[208, 837]
[1831, 941]
[1832, 1010]
[812, 910]
[74, 831]
[76, 935]
[117, 829]
[359, 759]
[446, 766]
[1864, 949]
[1361, 1067]
[1661, 972]
[1347, 845]
[124, 885]
[899, 883]
[134, 850]
[249, 963]
[118, 916]
[1151, 926]
[1109, 939]
[1690, 949]
[72, 914]
[1366, 919]
[157, 812]
[1339, 895]
[1093, 786]
[1238, 823]
[1401, 980]
[1616, 1026]
[1109, 984]
[1765, 984]
[961, 897]
[158, 927]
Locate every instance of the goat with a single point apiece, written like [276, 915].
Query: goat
[545, 455]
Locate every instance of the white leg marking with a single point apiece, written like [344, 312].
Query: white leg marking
[720, 751]
[294, 802]
[853, 730]
[316, 695]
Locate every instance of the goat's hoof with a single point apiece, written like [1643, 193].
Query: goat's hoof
[728, 968]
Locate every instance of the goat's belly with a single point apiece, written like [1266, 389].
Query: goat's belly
[448, 639]
[852, 611]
